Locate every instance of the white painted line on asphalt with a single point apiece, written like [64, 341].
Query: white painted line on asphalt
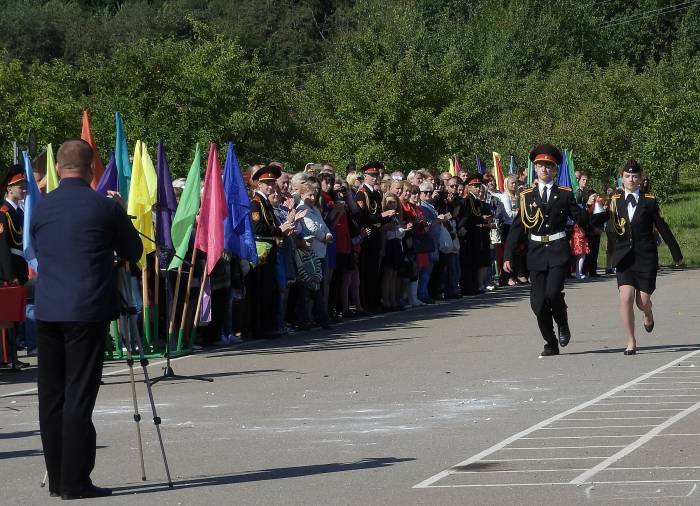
[643, 403]
[111, 373]
[662, 389]
[584, 477]
[671, 382]
[521, 471]
[582, 437]
[620, 482]
[560, 447]
[498, 446]
[598, 427]
[613, 418]
[542, 458]
[628, 410]
[653, 396]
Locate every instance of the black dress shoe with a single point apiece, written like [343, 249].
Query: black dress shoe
[549, 351]
[630, 352]
[54, 494]
[564, 334]
[649, 327]
[87, 493]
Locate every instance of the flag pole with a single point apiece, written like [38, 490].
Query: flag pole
[193, 330]
[185, 308]
[156, 294]
[146, 305]
[176, 294]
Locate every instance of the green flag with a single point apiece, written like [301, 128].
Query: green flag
[186, 212]
[572, 170]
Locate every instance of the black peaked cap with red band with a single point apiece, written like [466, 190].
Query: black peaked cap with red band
[546, 153]
[372, 167]
[475, 179]
[14, 175]
[267, 173]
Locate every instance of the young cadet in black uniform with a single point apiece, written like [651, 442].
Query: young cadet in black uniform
[370, 215]
[13, 267]
[543, 212]
[633, 216]
[260, 281]
[477, 222]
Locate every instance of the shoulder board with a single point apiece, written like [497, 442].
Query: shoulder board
[528, 190]
[565, 188]
[649, 196]
[616, 196]
[257, 197]
[363, 189]
[4, 208]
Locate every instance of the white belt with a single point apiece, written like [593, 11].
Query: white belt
[15, 251]
[547, 238]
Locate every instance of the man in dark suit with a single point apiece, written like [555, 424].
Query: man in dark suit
[370, 216]
[543, 212]
[633, 217]
[75, 232]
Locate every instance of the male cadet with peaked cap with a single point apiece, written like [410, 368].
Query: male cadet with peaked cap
[75, 233]
[370, 215]
[542, 215]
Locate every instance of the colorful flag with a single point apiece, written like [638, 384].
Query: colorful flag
[121, 154]
[458, 167]
[51, 174]
[166, 205]
[239, 238]
[186, 212]
[530, 172]
[480, 165]
[109, 182]
[97, 167]
[498, 171]
[512, 168]
[209, 236]
[451, 170]
[572, 170]
[30, 201]
[142, 197]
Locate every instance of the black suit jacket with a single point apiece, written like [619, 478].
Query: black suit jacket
[12, 265]
[552, 219]
[638, 237]
[75, 233]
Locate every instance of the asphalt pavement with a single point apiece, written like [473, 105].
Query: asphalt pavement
[446, 404]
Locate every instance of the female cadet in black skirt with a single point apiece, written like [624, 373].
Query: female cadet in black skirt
[633, 216]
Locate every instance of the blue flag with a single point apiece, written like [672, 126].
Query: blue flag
[30, 201]
[563, 177]
[121, 154]
[480, 165]
[512, 169]
[165, 207]
[239, 238]
[108, 181]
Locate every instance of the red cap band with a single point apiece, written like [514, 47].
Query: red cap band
[542, 157]
[17, 178]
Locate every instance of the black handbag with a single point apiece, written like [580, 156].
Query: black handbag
[423, 243]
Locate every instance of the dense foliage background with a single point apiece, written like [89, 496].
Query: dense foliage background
[407, 81]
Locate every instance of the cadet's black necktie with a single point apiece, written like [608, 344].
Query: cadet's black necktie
[544, 195]
[631, 200]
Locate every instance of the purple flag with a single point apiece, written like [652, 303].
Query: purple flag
[480, 165]
[166, 205]
[108, 181]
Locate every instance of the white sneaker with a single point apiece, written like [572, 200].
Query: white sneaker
[234, 339]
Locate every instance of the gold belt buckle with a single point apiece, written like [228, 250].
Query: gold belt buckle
[545, 238]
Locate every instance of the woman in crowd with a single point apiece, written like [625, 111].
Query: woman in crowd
[313, 225]
[508, 212]
[433, 226]
[394, 259]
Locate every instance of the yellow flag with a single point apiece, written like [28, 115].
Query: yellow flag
[452, 167]
[142, 196]
[51, 174]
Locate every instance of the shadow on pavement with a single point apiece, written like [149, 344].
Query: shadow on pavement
[661, 348]
[264, 475]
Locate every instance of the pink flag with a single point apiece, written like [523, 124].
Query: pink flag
[209, 236]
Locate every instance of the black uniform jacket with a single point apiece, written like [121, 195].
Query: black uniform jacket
[12, 263]
[544, 220]
[264, 226]
[638, 236]
[369, 205]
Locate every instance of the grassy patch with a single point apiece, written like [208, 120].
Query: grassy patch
[682, 213]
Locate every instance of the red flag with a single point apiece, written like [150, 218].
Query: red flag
[98, 167]
[209, 236]
[498, 171]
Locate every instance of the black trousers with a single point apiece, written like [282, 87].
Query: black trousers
[591, 263]
[71, 355]
[547, 300]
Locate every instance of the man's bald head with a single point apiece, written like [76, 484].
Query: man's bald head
[74, 159]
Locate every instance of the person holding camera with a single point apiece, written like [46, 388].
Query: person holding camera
[75, 232]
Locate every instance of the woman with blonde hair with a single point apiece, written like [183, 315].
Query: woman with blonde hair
[508, 212]
[394, 257]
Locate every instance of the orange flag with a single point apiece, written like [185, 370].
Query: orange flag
[86, 135]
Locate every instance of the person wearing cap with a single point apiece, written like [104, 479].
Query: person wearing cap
[260, 282]
[633, 217]
[542, 217]
[475, 223]
[370, 215]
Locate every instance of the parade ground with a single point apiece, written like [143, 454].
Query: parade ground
[445, 404]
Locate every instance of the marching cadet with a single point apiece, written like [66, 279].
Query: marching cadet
[543, 212]
[260, 281]
[370, 215]
[13, 267]
[633, 216]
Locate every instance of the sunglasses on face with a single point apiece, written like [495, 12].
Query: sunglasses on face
[452, 186]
